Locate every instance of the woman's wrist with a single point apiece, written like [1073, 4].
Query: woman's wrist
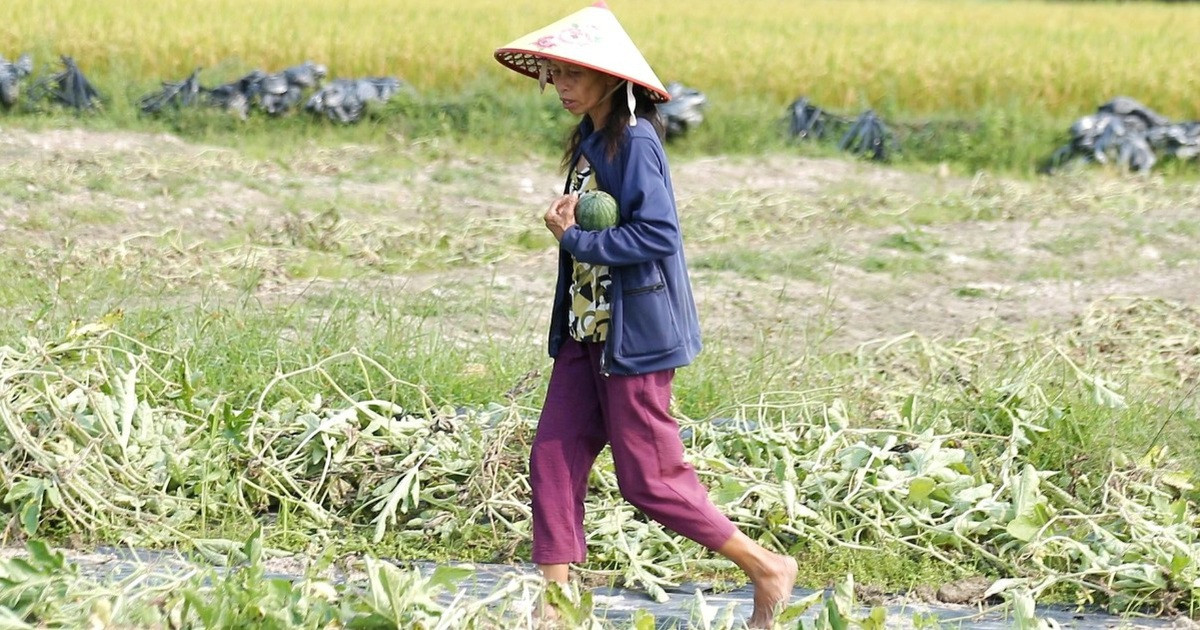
[563, 235]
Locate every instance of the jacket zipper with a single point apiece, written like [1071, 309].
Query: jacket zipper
[646, 289]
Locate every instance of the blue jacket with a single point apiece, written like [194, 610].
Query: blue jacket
[653, 322]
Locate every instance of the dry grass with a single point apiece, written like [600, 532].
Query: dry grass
[919, 57]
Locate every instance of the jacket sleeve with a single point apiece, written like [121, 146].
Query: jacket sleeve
[651, 231]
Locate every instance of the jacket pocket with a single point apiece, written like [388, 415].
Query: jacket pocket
[648, 323]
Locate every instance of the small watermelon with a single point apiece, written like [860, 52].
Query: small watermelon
[596, 210]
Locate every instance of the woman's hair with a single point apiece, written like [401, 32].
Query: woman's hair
[618, 119]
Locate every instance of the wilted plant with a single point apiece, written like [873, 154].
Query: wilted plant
[106, 434]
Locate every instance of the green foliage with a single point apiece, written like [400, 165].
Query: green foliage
[41, 589]
[31, 586]
[797, 476]
[246, 598]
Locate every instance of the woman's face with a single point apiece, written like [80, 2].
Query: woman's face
[583, 90]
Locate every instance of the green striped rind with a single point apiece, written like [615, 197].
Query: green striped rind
[597, 210]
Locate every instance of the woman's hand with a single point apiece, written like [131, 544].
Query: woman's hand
[561, 215]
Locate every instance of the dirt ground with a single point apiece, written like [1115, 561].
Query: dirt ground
[887, 251]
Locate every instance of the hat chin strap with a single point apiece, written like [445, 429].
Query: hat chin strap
[628, 99]
[632, 103]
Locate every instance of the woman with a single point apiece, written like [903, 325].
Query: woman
[623, 317]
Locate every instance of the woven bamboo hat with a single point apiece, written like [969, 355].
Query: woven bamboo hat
[590, 37]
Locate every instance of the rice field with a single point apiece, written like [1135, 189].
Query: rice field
[915, 58]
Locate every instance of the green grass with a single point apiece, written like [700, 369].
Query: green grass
[898, 264]
[765, 265]
[485, 116]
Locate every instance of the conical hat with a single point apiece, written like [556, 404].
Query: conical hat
[590, 37]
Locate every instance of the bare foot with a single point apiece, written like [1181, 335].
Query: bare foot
[546, 617]
[772, 590]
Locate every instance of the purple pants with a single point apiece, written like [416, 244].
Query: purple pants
[583, 412]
